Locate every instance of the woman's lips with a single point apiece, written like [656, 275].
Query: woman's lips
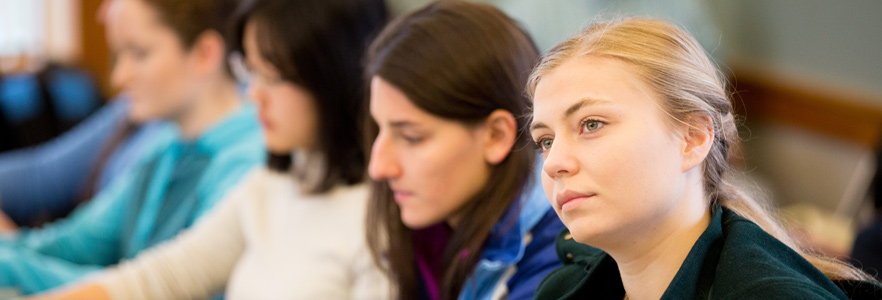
[568, 200]
[401, 196]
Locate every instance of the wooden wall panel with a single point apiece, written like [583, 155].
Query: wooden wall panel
[839, 113]
[95, 55]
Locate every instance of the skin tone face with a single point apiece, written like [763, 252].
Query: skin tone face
[101, 13]
[619, 176]
[287, 111]
[433, 165]
[152, 66]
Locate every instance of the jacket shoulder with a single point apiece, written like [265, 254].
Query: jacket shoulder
[577, 259]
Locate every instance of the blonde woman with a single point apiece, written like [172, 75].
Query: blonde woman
[634, 124]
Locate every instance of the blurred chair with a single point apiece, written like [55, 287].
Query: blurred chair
[36, 107]
[22, 105]
[867, 251]
[74, 94]
[20, 97]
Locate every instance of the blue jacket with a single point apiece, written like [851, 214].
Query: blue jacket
[517, 257]
[175, 183]
[64, 164]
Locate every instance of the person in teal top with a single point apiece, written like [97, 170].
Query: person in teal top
[635, 126]
[171, 63]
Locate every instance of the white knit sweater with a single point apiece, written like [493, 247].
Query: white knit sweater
[266, 240]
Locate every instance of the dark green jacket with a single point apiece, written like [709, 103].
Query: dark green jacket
[733, 259]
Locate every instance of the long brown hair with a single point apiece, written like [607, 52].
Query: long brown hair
[690, 87]
[459, 61]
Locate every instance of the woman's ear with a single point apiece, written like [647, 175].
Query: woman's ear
[698, 139]
[500, 133]
[209, 52]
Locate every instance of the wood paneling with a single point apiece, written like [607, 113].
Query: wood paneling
[96, 56]
[829, 111]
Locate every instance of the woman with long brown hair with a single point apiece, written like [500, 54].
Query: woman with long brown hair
[456, 210]
[635, 128]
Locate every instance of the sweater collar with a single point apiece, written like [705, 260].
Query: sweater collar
[231, 129]
[604, 280]
[506, 243]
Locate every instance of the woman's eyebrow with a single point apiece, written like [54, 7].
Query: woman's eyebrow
[401, 124]
[538, 125]
[587, 101]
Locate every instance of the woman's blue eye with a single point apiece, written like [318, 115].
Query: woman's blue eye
[591, 125]
[545, 144]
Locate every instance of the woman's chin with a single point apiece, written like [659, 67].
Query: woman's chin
[277, 149]
[590, 234]
[416, 222]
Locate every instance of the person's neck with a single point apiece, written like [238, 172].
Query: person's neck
[216, 100]
[649, 262]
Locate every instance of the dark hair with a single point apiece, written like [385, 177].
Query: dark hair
[191, 18]
[459, 61]
[319, 45]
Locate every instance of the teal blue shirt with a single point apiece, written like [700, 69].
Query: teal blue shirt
[176, 182]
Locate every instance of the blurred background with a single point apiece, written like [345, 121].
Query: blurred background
[806, 77]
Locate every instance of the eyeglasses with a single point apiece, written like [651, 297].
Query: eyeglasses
[246, 75]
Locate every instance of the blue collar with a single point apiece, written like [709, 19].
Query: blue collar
[231, 129]
[506, 246]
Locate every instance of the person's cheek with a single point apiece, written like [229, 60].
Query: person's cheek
[548, 187]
